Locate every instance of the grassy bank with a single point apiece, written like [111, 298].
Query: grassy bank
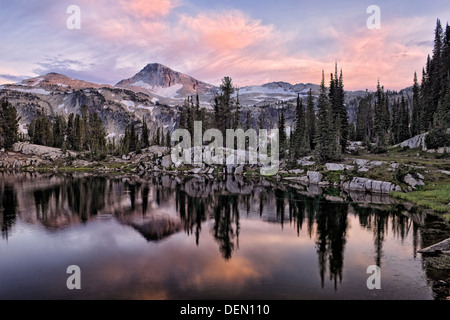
[434, 196]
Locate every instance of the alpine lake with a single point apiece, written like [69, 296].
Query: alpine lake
[194, 237]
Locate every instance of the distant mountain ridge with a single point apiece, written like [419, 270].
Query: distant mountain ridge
[52, 80]
[154, 93]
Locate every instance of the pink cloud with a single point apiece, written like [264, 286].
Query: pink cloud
[226, 31]
[148, 8]
[384, 54]
[214, 44]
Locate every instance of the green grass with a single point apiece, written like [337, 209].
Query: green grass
[409, 157]
[64, 169]
[435, 196]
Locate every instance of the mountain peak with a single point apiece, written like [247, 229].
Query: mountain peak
[157, 79]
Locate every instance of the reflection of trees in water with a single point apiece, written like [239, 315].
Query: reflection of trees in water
[192, 211]
[226, 224]
[378, 221]
[223, 210]
[84, 196]
[331, 219]
[8, 208]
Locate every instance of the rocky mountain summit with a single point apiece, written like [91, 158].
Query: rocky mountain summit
[164, 83]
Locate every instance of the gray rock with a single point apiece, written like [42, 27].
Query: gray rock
[394, 165]
[412, 182]
[166, 161]
[334, 166]
[415, 142]
[363, 169]
[239, 170]
[296, 171]
[314, 177]
[305, 163]
[361, 162]
[196, 170]
[368, 185]
[43, 152]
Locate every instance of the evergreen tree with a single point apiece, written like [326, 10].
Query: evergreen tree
[168, 142]
[59, 129]
[182, 122]
[125, 143]
[311, 120]
[381, 119]
[282, 135]
[96, 140]
[445, 63]
[133, 138]
[395, 125]
[261, 120]
[237, 113]
[157, 139]
[9, 125]
[298, 146]
[189, 118]
[71, 132]
[404, 121]
[323, 131]
[79, 129]
[145, 137]
[436, 69]
[197, 108]
[442, 116]
[84, 129]
[416, 112]
[223, 106]
[247, 121]
[41, 131]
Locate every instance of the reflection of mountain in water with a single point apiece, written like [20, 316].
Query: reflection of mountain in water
[160, 206]
[157, 229]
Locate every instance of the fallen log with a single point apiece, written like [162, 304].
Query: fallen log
[440, 247]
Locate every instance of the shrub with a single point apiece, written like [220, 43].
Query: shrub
[437, 138]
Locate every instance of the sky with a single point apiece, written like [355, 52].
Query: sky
[254, 42]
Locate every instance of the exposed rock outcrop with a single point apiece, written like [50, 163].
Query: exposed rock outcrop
[368, 185]
[46, 153]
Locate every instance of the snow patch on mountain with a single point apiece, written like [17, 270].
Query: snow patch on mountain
[39, 80]
[145, 108]
[129, 104]
[169, 92]
[35, 91]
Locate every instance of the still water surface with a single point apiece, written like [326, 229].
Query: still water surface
[190, 238]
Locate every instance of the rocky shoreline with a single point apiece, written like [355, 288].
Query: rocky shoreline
[352, 175]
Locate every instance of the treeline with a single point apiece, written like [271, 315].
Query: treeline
[132, 141]
[324, 134]
[86, 132]
[226, 111]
